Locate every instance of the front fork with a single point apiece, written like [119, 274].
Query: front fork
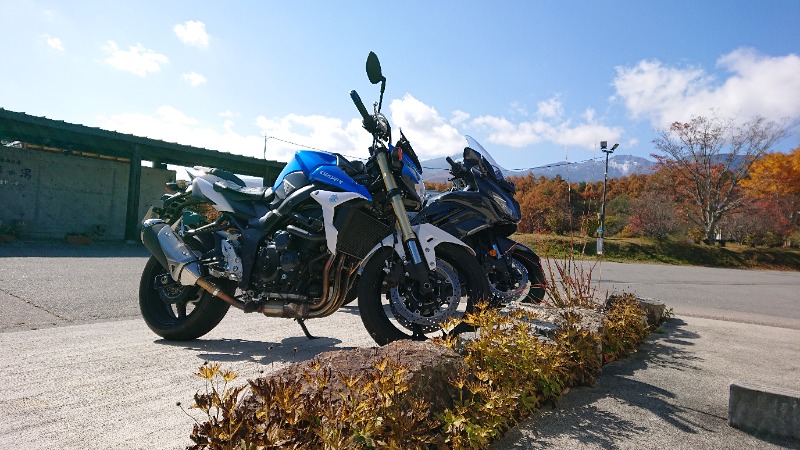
[419, 267]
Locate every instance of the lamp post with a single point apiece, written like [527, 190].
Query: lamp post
[601, 230]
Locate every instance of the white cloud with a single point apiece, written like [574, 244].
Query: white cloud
[562, 132]
[519, 109]
[296, 132]
[428, 132]
[194, 78]
[54, 42]
[458, 117]
[137, 60]
[174, 116]
[757, 84]
[551, 108]
[192, 33]
[172, 125]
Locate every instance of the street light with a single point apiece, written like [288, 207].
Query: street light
[601, 230]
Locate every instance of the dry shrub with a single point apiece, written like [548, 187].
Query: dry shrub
[625, 327]
[512, 371]
[372, 412]
[569, 281]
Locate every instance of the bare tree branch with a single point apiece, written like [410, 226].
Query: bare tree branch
[707, 157]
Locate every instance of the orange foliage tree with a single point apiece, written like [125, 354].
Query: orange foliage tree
[774, 181]
[553, 205]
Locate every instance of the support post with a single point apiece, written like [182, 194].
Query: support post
[601, 231]
[134, 193]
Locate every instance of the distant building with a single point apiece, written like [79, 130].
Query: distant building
[58, 178]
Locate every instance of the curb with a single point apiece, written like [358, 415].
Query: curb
[764, 410]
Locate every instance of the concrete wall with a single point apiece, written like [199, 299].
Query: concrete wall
[53, 194]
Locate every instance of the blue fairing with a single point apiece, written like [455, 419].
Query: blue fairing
[408, 169]
[321, 167]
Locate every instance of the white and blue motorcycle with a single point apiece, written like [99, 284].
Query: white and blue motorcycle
[295, 249]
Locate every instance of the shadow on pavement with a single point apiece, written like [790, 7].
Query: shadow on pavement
[579, 417]
[606, 429]
[291, 349]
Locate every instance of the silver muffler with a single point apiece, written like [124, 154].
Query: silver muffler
[170, 250]
[181, 262]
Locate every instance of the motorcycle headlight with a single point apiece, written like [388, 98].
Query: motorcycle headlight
[503, 204]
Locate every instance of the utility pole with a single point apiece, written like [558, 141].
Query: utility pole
[601, 230]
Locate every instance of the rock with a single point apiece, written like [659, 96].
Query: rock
[548, 319]
[429, 367]
[654, 310]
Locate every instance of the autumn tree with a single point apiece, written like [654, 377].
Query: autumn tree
[756, 223]
[708, 157]
[775, 178]
[652, 217]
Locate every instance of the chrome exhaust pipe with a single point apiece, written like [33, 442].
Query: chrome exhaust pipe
[183, 265]
[170, 250]
[285, 310]
[214, 290]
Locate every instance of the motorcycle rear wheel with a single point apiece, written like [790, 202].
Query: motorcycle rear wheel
[391, 313]
[176, 312]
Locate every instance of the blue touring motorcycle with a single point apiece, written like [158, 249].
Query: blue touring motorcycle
[295, 249]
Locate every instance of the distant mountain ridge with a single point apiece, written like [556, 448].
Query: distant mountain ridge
[437, 169]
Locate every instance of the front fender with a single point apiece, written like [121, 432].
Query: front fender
[506, 245]
[429, 237]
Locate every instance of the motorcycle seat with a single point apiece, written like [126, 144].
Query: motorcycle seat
[235, 192]
[222, 173]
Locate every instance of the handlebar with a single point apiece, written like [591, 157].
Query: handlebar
[455, 168]
[369, 122]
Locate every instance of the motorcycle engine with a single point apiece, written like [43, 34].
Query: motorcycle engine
[287, 267]
[276, 260]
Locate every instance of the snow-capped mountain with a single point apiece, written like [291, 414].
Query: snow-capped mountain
[436, 170]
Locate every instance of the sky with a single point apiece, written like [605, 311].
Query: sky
[535, 82]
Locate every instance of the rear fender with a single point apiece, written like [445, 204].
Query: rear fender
[429, 236]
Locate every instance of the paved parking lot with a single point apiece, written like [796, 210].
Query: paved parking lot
[81, 369]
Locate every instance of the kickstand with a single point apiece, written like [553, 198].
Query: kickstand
[305, 329]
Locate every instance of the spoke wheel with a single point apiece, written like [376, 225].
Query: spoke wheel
[415, 310]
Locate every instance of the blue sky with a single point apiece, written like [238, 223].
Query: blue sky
[528, 79]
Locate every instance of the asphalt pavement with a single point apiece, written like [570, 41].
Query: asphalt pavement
[81, 370]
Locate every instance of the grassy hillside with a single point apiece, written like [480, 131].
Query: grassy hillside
[668, 252]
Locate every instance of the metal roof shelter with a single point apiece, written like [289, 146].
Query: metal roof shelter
[80, 138]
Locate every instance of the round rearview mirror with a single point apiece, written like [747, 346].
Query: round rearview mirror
[374, 69]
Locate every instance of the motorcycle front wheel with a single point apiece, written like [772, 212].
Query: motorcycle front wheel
[528, 282]
[176, 312]
[406, 311]
[532, 265]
